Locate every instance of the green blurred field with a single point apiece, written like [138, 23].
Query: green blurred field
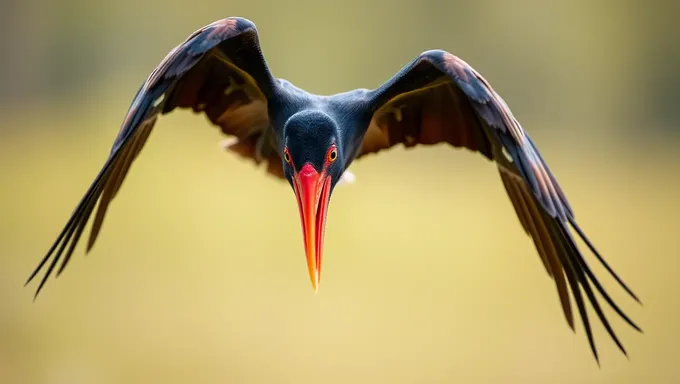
[199, 274]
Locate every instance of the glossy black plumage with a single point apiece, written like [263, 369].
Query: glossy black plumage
[437, 98]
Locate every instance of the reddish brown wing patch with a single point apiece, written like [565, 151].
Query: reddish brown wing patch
[430, 115]
[375, 139]
[440, 98]
[232, 101]
[495, 112]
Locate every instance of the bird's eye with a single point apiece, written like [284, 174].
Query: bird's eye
[286, 155]
[332, 155]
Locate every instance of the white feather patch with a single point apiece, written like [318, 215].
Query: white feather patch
[347, 178]
[226, 143]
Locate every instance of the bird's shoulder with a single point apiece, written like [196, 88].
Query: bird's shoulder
[287, 100]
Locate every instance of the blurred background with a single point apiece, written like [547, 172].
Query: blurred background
[199, 274]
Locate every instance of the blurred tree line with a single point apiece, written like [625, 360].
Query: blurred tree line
[52, 49]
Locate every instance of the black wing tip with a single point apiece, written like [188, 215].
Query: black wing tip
[71, 233]
[591, 341]
[42, 263]
[31, 277]
[599, 365]
[88, 248]
[582, 275]
[571, 322]
[70, 238]
[597, 359]
[604, 263]
[634, 296]
[41, 285]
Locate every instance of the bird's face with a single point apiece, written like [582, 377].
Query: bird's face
[312, 162]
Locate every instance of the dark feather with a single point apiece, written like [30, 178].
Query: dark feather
[438, 98]
[220, 71]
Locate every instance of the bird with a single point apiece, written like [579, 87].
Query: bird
[310, 140]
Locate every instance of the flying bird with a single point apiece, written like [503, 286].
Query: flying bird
[311, 140]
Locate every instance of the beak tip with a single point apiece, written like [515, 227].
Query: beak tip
[315, 282]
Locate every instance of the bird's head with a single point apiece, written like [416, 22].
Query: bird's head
[313, 164]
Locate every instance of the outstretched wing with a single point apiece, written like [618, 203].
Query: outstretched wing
[438, 98]
[220, 71]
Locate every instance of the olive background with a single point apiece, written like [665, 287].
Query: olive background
[199, 274]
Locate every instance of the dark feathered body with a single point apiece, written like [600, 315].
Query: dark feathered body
[310, 140]
[310, 118]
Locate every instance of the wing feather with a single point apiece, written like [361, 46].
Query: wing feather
[456, 105]
[218, 70]
[121, 168]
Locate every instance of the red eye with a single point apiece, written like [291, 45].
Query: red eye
[286, 156]
[332, 155]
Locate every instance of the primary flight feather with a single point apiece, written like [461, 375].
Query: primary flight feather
[311, 140]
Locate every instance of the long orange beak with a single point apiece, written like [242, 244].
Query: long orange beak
[313, 193]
